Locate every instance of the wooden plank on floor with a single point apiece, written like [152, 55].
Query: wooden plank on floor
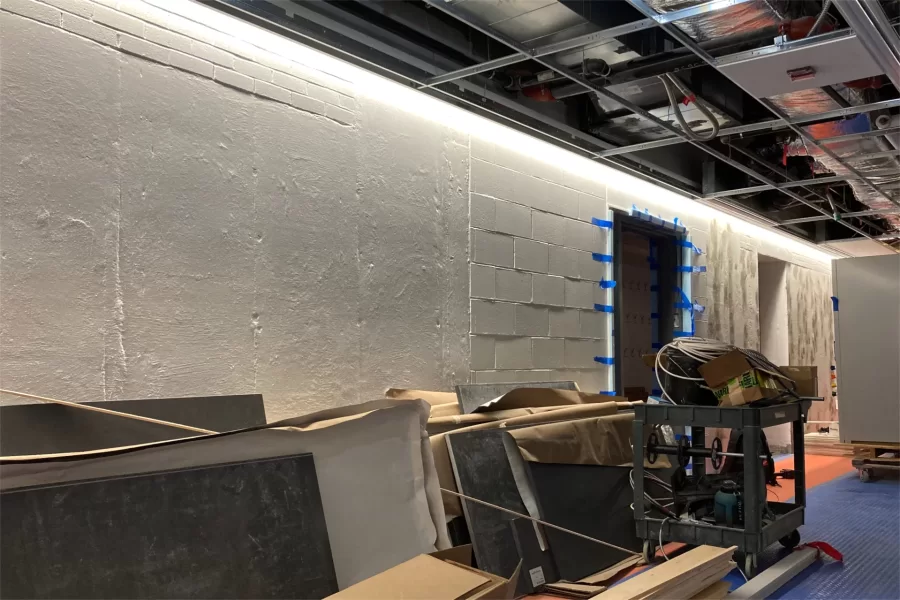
[693, 583]
[670, 573]
[716, 591]
[767, 582]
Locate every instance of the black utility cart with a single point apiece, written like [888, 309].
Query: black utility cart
[762, 523]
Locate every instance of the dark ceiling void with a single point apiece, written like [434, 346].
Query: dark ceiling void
[779, 108]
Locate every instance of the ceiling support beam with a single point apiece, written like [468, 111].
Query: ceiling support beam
[859, 213]
[793, 180]
[875, 33]
[691, 45]
[773, 125]
[778, 186]
[583, 40]
[860, 136]
[584, 82]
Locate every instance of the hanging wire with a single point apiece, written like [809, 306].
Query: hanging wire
[669, 81]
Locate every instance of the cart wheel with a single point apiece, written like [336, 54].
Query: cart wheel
[865, 475]
[791, 540]
[649, 552]
[750, 565]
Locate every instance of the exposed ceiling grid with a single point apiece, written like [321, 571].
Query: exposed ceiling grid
[824, 168]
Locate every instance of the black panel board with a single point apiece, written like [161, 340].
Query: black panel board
[483, 472]
[242, 530]
[472, 395]
[537, 564]
[52, 428]
[591, 499]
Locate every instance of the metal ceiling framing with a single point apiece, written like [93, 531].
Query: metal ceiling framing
[583, 41]
[526, 53]
[778, 186]
[691, 45]
[567, 134]
[876, 34]
[820, 180]
[414, 64]
[772, 125]
[859, 213]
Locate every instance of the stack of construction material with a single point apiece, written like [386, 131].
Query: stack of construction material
[826, 444]
[694, 574]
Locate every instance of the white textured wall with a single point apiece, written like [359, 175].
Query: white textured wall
[164, 234]
[773, 332]
[190, 210]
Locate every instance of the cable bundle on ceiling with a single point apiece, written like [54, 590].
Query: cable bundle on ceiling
[669, 82]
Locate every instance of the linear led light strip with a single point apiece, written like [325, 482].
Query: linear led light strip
[438, 111]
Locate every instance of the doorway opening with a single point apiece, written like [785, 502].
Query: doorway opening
[645, 259]
[773, 332]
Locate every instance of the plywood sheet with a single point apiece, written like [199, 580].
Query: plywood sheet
[670, 573]
[420, 577]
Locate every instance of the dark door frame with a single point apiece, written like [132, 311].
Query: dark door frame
[669, 257]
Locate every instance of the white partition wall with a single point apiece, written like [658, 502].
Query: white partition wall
[867, 327]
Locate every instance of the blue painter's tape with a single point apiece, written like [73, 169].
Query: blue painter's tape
[656, 345]
[689, 269]
[601, 223]
[605, 393]
[607, 308]
[834, 303]
[604, 360]
[654, 315]
[686, 305]
[604, 258]
[607, 284]
[687, 244]
[656, 392]
[654, 288]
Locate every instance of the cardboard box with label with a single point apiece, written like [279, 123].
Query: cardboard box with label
[735, 382]
[443, 575]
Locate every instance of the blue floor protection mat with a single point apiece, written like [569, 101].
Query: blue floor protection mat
[861, 520]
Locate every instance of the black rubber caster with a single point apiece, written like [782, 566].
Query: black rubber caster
[649, 552]
[750, 566]
[791, 540]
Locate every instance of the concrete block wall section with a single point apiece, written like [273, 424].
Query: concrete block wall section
[533, 277]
